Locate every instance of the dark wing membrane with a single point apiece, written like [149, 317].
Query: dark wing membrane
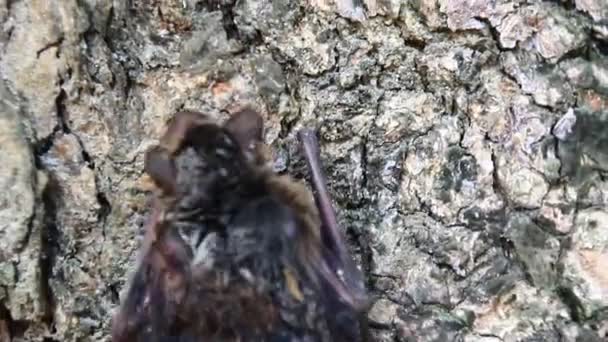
[351, 285]
[139, 319]
[150, 310]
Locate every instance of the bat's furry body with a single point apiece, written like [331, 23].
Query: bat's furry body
[233, 252]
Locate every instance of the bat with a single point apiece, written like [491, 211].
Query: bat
[235, 252]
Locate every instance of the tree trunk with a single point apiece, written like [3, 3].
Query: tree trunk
[465, 141]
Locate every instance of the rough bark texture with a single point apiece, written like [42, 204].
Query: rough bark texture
[466, 145]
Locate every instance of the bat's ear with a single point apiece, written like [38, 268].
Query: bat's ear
[247, 127]
[158, 162]
[159, 165]
[179, 126]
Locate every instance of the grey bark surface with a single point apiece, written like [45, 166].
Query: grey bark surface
[465, 143]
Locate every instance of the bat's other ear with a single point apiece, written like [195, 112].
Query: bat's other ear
[247, 127]
[178, 128]
[159, 165]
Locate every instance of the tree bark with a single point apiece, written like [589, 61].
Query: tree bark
[465, 145]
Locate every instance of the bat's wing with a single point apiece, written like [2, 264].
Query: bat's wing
[338, 268]
[159, 284]
[150, 309]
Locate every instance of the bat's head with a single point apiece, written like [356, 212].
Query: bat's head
[267, 238]
[197, 156]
